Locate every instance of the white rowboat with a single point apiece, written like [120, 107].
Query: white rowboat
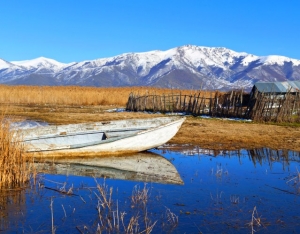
[101, 138]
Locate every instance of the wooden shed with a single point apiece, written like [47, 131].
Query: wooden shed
[274, 101]
[276, 88]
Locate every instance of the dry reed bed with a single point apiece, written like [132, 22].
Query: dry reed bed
[15, 170]
[75, 95]
[113, 220]
[212, 134]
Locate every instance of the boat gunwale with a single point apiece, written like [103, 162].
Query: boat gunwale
[82, 133]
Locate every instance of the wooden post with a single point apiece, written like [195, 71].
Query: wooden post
[200, 106]
[193, 106]
[204, 104]
[164, 103]
[210, 103]
[153, 103]
[197, 101]
[235, 97]
[189, 105]
[184, 110]
[180, 107]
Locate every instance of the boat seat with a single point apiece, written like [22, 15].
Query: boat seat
[104, 136]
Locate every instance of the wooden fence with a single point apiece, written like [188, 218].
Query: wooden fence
[274, 107]
[256, 106]
[227, 105]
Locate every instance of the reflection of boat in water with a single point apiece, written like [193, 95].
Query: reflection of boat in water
[88, 139]
[144, 166]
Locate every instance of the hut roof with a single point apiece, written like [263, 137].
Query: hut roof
[278, 87]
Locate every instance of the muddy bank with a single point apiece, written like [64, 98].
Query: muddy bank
[226, 134]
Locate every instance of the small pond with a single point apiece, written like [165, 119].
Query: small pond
[172, 189]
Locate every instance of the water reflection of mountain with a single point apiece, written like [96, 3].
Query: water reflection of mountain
[257, 156]
[144, 166]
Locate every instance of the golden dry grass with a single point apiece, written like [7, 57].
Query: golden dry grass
[14, 167]
[62, 105]
[226, 134]
[56, 114]
[75, 95]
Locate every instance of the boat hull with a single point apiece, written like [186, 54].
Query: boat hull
[134, 141]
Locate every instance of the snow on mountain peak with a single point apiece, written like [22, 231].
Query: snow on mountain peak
[4, 64]
[212, 56]
[279, 60]
[197, 56]
[38, 62]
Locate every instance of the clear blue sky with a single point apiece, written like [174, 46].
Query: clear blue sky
[73, 30]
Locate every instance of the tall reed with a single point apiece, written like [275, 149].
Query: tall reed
[14, 167]
[75, 95]
[112, 220]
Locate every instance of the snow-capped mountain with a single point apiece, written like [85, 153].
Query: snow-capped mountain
[40, 63]
[185, 67]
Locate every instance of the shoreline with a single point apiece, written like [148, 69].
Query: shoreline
[207, 133]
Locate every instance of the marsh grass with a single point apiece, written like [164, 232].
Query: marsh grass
[15, 166]
[64, 105]
[234, 199]
[220, 171]
[218, 198]
[172, 219]
[255, 220]
[135, 220]
[294, 181]
[131, 214]
[76, 95]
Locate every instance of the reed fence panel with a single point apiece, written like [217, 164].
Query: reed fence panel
[274, 107]
[266, 107]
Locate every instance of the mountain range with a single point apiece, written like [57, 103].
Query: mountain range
[185, 67]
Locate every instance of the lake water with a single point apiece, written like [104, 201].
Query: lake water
[178, 189]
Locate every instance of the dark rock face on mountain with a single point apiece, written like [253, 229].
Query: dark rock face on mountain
[186, 67]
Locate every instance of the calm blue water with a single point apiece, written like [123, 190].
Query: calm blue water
[222, 192]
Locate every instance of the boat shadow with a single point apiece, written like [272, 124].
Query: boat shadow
[142, 166]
